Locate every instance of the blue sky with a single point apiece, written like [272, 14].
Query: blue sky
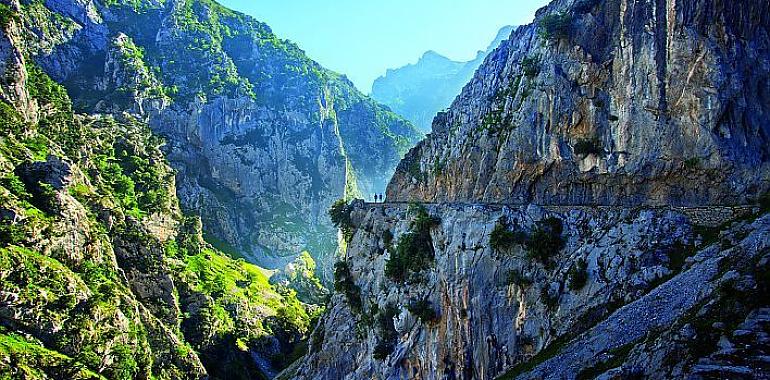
[363, 38]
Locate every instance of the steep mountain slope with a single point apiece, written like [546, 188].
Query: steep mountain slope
[612, 103]
[420, 91]
[594, 209]
[101, 275]
[263, 139]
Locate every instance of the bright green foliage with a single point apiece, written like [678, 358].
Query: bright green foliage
[555, 27]
[79, 298]
[7, 14]
[414, 251]
[10, 120]
[33, 361]
[46, 91]
[235, 282]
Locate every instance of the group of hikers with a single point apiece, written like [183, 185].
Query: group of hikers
[379, 198]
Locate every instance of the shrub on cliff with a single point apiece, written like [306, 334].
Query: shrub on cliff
[414, 251]
[530, 66]
[339, 213]
[578, 275]
[546, 239]
[555, 27]
[343, 283]
[386, 331]
[502, 238]
[423, 310]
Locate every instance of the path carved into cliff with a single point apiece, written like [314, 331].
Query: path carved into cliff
[707, 215]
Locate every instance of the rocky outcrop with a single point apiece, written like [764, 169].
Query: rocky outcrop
[608, 102]
[419, 91]
[625, 281]
[263, 139]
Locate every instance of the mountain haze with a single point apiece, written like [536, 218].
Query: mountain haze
[419, 91]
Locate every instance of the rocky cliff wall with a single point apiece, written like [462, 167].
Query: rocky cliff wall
[263, 139]
[608, 102]
[624, 282]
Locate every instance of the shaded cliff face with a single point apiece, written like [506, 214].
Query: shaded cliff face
[627, 289]
[101, 275]
[263, 139]
[608, 102]
[419, 91]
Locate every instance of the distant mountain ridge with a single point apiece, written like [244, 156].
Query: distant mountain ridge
[419, 91]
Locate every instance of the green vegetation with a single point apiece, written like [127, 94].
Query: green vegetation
[387, 239]
[386, 332]
[7, 15]
[692, 163]
[616, 358]
[42, 88]
[343, 283]
[31, 360]
[546, 353]
[423, 310]
[530, 66]
[10, 120]
[515, 277]
[339, 214]
[541, 243]
[414, 251]
[77, 289]
[584, 147]
[546, 239]
[555, 27]
[503, 238]
[578, 275]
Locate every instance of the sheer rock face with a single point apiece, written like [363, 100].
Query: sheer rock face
[641, 290]
[263, 139]
[653, 102]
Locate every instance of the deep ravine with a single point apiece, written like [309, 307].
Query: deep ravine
[592, 205]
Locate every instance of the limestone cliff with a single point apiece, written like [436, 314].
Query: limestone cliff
[263, 139]
[608, 102]
[593, 207]
[101, 274]
[614, 292]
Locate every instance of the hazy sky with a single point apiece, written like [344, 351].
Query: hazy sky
[363, 38]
